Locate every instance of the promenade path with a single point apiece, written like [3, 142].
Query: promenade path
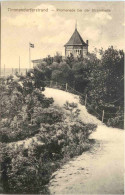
[98, 171]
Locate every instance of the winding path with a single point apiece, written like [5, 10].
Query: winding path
[98, 171]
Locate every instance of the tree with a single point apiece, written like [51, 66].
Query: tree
[70, 60]
[105, 89]
[113, 65]
[57, 58]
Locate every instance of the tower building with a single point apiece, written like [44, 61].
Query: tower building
[76, 45]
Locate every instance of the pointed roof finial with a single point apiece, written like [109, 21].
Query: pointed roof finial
[76, 25]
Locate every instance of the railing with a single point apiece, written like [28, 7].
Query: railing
[87, 102]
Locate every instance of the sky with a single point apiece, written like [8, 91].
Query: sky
[50, 30]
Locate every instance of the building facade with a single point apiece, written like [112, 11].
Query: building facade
[36, 62]
[76, 45]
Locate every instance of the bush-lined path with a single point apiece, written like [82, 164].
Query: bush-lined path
[98, 171]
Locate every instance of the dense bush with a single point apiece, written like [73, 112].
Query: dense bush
[20, 100]
[26, 173]
[118, 120]
[31, 170]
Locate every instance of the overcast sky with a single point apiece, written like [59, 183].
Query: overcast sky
[49, 31]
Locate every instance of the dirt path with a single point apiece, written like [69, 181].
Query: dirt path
[98, 171]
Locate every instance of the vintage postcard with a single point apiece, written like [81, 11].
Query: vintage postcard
[62, 97]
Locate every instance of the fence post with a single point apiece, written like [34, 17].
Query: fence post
[66, 86]
[4, 70]
[73, 84]
[50, 83]
[85, 99]
[56, 84]
[103, 115]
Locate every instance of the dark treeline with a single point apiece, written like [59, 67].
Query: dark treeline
[101, 79]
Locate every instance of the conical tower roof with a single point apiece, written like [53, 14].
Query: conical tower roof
[76, 39]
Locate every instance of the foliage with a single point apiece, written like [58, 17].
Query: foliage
[117, 121]
[26, 173]
[64, 138]
[105, 91]
[26, 112]
[19, 100]
[57, 58]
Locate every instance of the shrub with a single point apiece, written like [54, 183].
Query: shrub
[31, 170]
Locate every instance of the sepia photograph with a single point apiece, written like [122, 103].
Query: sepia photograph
[62, 97]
